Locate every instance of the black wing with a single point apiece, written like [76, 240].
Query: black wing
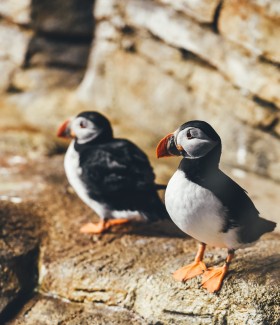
[119, 174]
[241, 210]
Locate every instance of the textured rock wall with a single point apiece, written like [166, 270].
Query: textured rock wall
[149, 65]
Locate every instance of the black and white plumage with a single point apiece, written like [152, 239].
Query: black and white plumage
[203, 201]
[112, 176]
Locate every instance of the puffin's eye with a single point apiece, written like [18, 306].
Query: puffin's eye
[189, 135]
[83, 124]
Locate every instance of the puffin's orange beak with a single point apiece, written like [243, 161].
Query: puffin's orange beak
[167, 147]
[162, 147]
[64, 131]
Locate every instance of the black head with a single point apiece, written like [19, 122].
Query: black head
[86, 127]
[194, 139]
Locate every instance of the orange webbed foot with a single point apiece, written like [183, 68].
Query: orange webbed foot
[189, 271]
[101, 226]
[212, 279]
[115, 222]
[94, 228]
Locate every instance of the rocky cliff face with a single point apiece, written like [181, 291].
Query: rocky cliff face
[157, 63]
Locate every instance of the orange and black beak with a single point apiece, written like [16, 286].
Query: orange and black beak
[167, 147]
[64, 131]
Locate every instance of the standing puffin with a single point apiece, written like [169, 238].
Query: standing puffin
[207, 204]
[112, 176]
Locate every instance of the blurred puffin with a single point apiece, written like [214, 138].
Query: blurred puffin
[207, 204]
[112, 176]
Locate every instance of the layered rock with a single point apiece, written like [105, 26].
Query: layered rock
[18, 257]
[127, 273]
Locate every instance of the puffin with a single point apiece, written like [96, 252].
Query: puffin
[112, 176]
[207, 204]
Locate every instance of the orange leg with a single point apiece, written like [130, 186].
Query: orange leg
[101, 226]
[196, 268]
[212, 279]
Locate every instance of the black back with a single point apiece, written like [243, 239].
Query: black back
[241, 212]
[118, 174]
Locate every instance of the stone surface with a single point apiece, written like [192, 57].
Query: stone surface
[68, 17]
[14, 51]
[128, 271]
[202, 10]
[16, 11]
[240, 68]
[47, 51]
[40, 78]
[50, 311]
[247, 25]
[269, 7]
[150, 84]
[12, 54]
[18, 255]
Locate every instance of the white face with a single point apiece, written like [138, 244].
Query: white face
[84, 129]
[194, 141]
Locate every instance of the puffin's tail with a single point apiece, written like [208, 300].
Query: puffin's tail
[261, 227]
[267, 225]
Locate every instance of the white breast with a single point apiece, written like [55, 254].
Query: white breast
[198, 212]
[73, 172]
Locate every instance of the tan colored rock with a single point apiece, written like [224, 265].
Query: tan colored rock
[132, 269]
[40, 78]
[126, 274]
[7, 69]
[50, 311]
[176, 89]
[47, 52]
[239, 67]
[269, 7]
[13, 43]
[202, 10]
[16, 11]
[248, 26]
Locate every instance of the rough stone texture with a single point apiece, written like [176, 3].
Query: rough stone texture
[180, 76]
[46, 51]
[18, 255]
[202, 10]
[12, 54]
[16, 11]
[68, 17]
[148, 59]
[244, 23]
[127, 272]
[50, 311]
[243, 71]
